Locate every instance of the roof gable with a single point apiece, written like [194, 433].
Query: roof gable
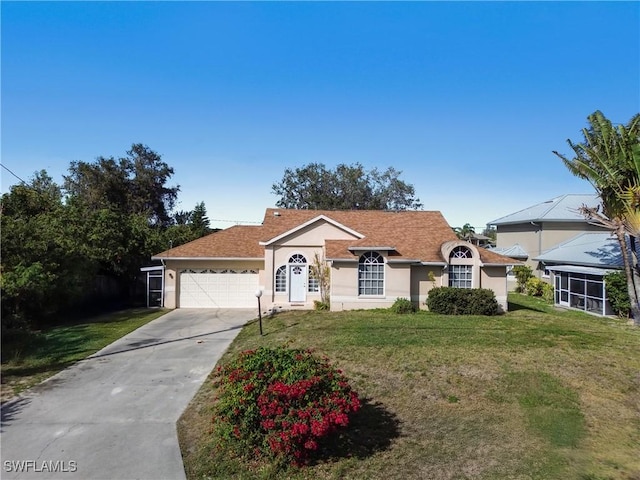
[308, 223]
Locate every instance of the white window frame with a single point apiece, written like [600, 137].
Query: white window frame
[459, 278]
[371, 275]
[280, 282]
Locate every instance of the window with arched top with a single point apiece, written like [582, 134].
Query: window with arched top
[371, 274]
[281, 279]
[461, 252]
[460, 272]
[297, 258]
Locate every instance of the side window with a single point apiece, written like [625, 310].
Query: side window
[281, 279]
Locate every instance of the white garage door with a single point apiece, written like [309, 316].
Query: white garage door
[224, 288]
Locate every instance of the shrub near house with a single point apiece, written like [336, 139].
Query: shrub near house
[462, 301]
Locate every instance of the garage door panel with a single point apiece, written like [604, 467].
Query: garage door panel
[218, 289]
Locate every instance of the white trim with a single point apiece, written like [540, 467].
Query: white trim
[311, 222]
[581, 269]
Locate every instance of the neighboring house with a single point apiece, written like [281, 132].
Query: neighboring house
[541, 227]
[374, 257]
[578, 267]
[563, 249]
[479, 240]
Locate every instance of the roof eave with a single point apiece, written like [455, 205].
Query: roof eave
[205, 258]
[359, 248]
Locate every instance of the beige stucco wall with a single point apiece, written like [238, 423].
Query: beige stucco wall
[173, 267]
[539, 237]
[315, 234]
[344, 286]
[421, 283]
[494, 279]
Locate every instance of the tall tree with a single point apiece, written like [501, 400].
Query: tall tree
[199, 221]
[314, 187]
[609, 158]
[134, 184]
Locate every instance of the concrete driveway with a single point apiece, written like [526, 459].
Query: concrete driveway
[113, 415]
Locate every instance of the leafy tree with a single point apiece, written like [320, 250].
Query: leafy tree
[134, 184]
[609, 158]
[43, 266]
[523, 273]
[314, 187]
[108, 219]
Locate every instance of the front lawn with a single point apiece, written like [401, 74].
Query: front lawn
[28, 357]
[537, 393]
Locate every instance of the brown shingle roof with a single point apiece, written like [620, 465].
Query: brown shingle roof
[414, 235]
[235, 242]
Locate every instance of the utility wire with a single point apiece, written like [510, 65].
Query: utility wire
[2, 165]
[233, 221]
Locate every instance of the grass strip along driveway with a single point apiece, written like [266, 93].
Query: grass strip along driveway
[537, 393]
[28, 358]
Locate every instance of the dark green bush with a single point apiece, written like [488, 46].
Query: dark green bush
[462, 301]
[617, 293]
[403, 305]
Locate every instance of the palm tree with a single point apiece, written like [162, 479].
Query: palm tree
[609, 158]
[466, 232]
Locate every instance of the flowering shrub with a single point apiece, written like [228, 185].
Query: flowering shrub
[277, 403]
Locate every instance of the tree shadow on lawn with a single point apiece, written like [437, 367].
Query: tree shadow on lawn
[372, 429]
[515, 306]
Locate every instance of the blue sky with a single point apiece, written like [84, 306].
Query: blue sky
[467, 99]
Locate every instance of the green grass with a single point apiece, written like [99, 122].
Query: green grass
[30, 357]
[538, 393]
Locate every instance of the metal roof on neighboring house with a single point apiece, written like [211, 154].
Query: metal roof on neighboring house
[587, 249]
[514, 251]
[559, 209]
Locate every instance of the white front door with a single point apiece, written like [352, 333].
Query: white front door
[297, 283]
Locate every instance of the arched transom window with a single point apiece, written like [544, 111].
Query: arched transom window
[461, 252]
[297, 258]
[371, 274]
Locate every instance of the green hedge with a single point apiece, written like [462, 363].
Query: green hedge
[462, 301]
